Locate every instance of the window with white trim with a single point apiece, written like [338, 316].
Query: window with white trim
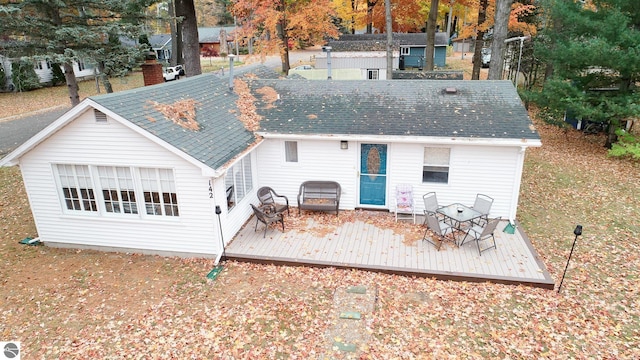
[435, 168]
[81, 65]
[159, 191]
[372, 74]
[291, 151]
[123, 190]
[77, 188]
[405, 50]
[238, 181]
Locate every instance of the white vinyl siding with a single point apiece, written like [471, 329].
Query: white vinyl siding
[472, 170]
[318, 160]
[83, 141]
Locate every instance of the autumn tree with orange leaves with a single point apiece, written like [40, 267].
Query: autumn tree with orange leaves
[277, 24]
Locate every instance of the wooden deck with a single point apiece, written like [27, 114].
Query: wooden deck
[370, 241]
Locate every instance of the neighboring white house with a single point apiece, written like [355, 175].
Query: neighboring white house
[43, 69]
[370, 65]
[120, 172]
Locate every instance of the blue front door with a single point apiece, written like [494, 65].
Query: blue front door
[373, 174]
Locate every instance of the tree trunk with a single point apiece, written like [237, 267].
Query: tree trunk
[477, 52]
[389, 26]
[353, 17]
[431, 35]
[370, 5]
[190, 41]
[176, 37]
[500, 30]
[104, 78]
[281, 32]
[72, 83]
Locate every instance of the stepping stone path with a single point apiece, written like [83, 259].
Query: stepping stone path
[350, 329]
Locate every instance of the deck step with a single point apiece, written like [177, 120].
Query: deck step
[357, 290]
[354, 315]
[342, 346]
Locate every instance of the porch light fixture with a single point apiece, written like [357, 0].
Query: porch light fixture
[344, 144]
[577, 232]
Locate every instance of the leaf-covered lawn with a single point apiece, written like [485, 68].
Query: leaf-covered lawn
[84, 304]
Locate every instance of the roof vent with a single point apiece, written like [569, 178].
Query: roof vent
[451, 90]
[100, 116]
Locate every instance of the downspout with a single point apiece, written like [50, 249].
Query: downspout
[517, 182]
[217, 225]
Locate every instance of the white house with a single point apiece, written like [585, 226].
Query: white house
[144, 170]
[44, 70]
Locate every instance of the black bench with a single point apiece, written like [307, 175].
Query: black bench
[319, 196]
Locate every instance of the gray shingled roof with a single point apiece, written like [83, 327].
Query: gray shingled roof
[479, 109]
[398, 38]
[221, 135]
[212, 34]
[362, 45]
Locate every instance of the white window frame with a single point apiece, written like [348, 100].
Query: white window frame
[405, 50]
[159, 192]
[435, 170]
[119, 191]
[291, 154]
[238, 181]
[76, 189]
[373, 74]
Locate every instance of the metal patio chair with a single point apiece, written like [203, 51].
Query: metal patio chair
[267, 196]
[439, 228]
[480, 233]
[482, 205]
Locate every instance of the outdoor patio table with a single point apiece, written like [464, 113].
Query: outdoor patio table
[458, 215]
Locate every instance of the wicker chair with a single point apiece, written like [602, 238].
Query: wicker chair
[267, 219]
[267, 196]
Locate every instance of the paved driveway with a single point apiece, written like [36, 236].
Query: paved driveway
[18, 129]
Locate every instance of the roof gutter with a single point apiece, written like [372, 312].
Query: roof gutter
[435, 140]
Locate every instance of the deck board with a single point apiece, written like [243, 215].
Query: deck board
[366, 245]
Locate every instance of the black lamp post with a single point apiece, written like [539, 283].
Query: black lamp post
[213, 274]
[577, 232]
[218, 212]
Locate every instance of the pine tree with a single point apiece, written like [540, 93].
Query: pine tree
[65, 31]
[595, 60]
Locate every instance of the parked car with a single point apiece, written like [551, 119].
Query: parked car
[303, 67]
[180, 69]
[171, 73]
[486, 57]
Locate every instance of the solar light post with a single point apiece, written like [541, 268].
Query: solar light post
[577, 232]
